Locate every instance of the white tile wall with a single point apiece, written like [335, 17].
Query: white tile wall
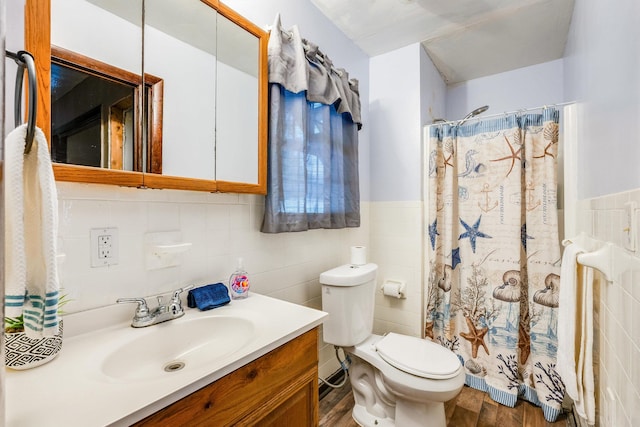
[617, 347]
[221, 228]
[396, 246]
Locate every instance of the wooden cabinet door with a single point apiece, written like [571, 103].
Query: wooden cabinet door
[298, 409]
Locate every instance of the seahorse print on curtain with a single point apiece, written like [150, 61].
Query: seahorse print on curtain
[493, 253]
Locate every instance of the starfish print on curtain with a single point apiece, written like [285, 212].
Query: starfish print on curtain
[515, 155]
[433, 232]
[524, 236]
[455, 258]
[476, 337]
[472, 233]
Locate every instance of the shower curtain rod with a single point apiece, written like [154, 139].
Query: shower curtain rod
[491, 116]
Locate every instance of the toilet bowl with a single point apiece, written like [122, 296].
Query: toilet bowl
[404, 391]
[397, 380]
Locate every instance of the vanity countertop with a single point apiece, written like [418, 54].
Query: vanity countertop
[75, 388]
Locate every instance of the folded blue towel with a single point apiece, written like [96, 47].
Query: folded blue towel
[208, 297]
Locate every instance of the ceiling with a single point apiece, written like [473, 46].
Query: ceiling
[465, 39]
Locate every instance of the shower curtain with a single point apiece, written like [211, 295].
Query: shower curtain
[493, 253]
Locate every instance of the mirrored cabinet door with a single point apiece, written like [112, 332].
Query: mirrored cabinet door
[241, 113]
[96, 84]
[237, 100]
[180, 49]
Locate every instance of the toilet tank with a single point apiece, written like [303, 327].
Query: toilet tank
[348, 294]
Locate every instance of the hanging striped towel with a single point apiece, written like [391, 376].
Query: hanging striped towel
[31, 221]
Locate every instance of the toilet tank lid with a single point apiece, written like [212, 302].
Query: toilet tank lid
[349, 275]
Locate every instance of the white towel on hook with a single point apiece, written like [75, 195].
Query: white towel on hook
[575, 332]
[585, 403]
[567, 317]
[31, 221]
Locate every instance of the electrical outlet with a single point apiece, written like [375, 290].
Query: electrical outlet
[104, 247]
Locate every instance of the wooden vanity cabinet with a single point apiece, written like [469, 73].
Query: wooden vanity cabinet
[278, 389]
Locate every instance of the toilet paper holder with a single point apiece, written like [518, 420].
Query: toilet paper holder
[394, 288]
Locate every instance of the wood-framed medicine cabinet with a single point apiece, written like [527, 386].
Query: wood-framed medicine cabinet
[199, 112]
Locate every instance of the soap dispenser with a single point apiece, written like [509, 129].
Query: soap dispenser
[239, 282]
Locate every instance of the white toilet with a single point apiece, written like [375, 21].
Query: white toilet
[397, 380]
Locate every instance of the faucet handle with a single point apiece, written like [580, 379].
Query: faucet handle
[177, 292]
[141, 311]
[176, 303]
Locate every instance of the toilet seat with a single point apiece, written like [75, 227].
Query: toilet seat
[419, 357]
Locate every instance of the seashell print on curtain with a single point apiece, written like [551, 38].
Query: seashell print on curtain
[494, 254]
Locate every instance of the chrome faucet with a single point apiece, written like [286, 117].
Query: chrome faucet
[144, 317]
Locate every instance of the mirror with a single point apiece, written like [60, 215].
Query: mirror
[199, 124]
[180, 45]
[237, 101]
[97, 97]
[94, 102]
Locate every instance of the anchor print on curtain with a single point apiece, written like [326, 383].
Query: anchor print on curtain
[493, 253]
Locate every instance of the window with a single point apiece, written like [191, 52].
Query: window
[313, 166]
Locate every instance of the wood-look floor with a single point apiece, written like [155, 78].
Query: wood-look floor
[471, 408]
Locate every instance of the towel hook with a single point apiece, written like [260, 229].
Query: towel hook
[24, 60]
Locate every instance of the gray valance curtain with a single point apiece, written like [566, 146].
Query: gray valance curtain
[314, 118]
[298, 66]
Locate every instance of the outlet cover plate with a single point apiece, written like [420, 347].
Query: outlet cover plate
[104, 246]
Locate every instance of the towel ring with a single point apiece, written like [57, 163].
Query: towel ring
[24, 60]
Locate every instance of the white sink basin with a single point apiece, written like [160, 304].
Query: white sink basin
[168, 348]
